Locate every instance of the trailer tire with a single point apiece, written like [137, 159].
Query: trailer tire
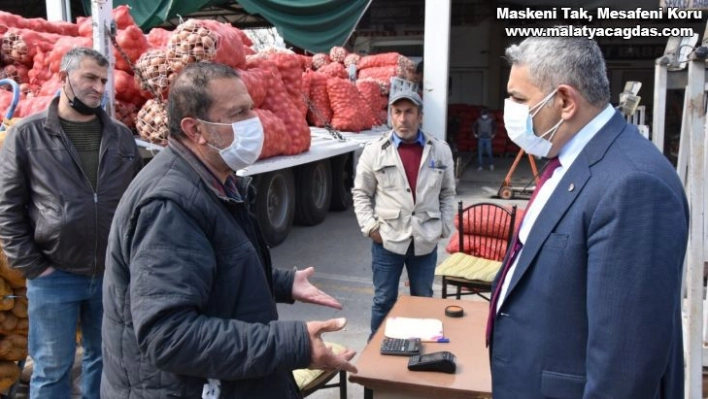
[314, 193]
[275, 205]
[342, 183]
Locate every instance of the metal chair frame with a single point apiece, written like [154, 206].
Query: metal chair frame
[478, 287]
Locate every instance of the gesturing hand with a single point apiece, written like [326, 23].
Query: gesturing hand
[322, 357]
[304, 291]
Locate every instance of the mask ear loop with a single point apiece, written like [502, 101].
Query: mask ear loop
[542, 103]
[554, 129]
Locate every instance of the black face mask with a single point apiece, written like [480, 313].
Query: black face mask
[78, 105]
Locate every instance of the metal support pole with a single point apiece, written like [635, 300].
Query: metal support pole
[684, 145]
[101, 13]
[58, 10]
[695, 255]
[436, 58]
[660, 82]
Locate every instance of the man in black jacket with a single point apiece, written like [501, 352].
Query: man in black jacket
[484, 130]
[62, 173]
[190, 292]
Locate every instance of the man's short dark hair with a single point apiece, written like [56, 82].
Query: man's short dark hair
[189, 96]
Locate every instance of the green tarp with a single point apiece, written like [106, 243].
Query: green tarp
[314, 25]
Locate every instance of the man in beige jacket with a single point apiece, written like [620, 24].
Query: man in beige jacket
[404, 194]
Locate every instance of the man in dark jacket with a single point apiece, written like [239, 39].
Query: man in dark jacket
[62, 173]
[484, 130]
[190, 293]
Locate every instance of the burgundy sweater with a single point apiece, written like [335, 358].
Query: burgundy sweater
[411, 155]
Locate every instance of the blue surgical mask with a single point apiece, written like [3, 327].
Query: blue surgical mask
[518, 121]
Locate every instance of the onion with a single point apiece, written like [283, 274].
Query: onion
[208, 42]
[199, 52]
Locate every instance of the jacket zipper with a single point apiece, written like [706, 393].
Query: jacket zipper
[101, 154]
[95, 192]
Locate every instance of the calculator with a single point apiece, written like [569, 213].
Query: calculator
[400, 346]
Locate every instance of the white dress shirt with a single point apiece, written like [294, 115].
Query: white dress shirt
[566, 156]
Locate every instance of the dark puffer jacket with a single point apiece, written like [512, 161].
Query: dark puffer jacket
[186, 293]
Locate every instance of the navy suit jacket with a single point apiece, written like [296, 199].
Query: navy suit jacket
[593, 309]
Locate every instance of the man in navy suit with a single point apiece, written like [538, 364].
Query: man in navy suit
[590, 303]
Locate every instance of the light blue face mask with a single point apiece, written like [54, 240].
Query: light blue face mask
[518, 121]
[246, 146]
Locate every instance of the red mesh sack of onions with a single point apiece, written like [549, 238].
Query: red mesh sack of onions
[154, 73]
[291, 72]
[151, 122]
[334, 70]
[21, 45]
[197, 40]
[157, 38]
[338, 54]
[50, 87]
[32, 105]
[350, 110]
[384, 85]
[276, 137]
[9, 20]
[321, 111]
[18, 73]
[38, 24]
[319, 60]
[133, 42]
[121, 16]
[61, 47]
[379, 60]
[278, 101]
[404, 66]
[39, 72]
[245, 40]
[352, 59]
[371, 92]
[126, 113]
[306, 61]
[5, 101]
[384, 73]
[305, 89]
[256, 81]
[126, 89]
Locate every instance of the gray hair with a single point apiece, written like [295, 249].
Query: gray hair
[574, 61]
[73, 58]
[189, 96]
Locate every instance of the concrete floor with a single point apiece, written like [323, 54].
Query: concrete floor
[341, 256]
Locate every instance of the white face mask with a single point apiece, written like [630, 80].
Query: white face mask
[246, 146]
[518, 121]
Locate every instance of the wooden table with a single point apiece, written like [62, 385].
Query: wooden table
[389, 377]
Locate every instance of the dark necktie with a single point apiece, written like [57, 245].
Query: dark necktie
[548, 170]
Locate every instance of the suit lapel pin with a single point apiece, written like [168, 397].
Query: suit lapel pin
[571, 187]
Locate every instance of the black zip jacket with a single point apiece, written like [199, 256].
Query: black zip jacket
[190, 293]
[50, 215]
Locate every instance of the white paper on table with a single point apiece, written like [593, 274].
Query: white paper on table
[428, 330]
